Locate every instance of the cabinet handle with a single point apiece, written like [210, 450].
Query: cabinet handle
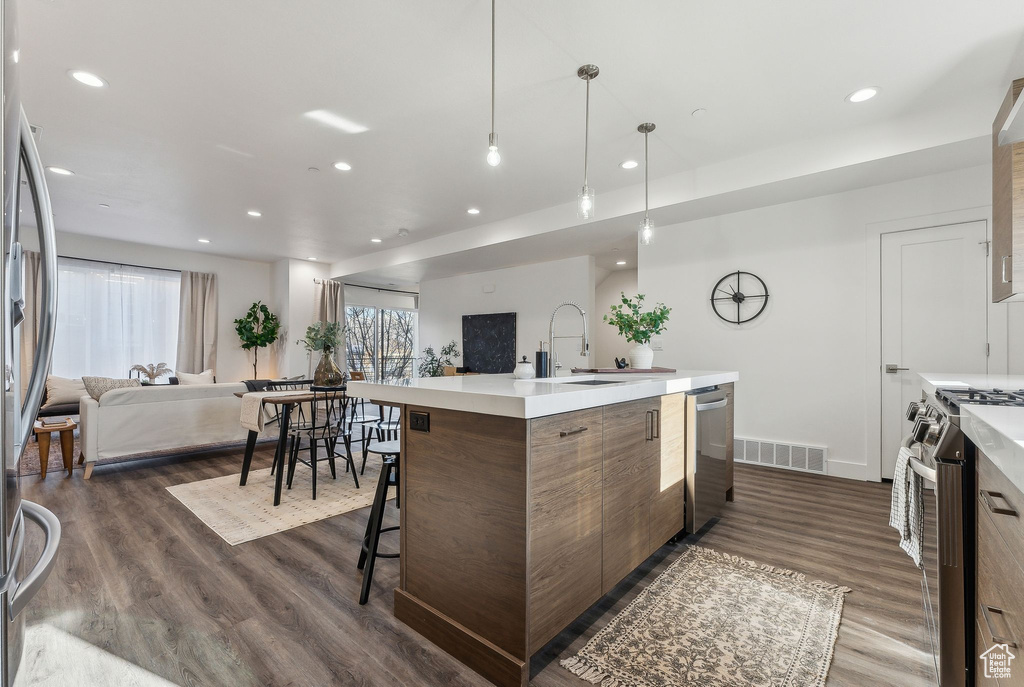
[1005, 258]
[570, 432]
[996, 639]
[648, 423]
[987, 497]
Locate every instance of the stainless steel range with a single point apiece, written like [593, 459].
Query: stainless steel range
[945, 458]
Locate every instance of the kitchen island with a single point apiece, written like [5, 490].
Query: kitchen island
[525, 501]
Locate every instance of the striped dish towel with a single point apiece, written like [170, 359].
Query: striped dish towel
[906, 512]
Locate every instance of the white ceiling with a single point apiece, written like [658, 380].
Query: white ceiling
[203, 117]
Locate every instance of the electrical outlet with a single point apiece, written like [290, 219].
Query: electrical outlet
[419, 422]
[656, 343]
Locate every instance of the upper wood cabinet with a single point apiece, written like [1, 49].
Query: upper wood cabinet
[1007, 207]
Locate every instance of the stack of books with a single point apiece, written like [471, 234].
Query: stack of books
[53, 422]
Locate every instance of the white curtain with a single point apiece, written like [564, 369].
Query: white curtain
[30, 327]
[110, 317]
[329, 306]
[197, 325]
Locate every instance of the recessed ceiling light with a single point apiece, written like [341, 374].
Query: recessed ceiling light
[254, 213]
[104, 205]
[343, 166]
[621, 262]
[699, 112]
[863, 94]
[61, 171]
[311, 258]
[376, 240]
[473, 211]
[204, 240]
[336, 121]
[629, 164]
[87, 78]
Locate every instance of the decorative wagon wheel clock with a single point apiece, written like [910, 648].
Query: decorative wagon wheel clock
[739, 297]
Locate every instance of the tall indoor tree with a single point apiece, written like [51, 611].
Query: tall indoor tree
[257, 329]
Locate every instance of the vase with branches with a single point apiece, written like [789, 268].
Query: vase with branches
[257, 329]
[638, 327]
[325, 338]
[151, 371]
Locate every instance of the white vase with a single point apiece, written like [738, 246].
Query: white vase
[641, 356]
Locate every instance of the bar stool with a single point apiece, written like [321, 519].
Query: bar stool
[390, 452]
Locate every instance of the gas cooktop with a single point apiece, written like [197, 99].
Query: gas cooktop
[956, 397]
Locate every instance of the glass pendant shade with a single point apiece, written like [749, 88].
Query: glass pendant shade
[585, 203]
[493, 157]
[646, 231]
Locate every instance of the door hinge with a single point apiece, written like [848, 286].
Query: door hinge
[987, 245]
[988, 350]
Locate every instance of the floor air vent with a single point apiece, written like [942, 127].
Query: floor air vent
[790, 456]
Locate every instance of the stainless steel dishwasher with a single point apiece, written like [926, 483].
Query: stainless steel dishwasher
[706, 428]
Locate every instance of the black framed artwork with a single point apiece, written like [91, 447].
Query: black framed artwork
[489, 343]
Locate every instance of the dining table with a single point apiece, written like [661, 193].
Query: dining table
[287, 401]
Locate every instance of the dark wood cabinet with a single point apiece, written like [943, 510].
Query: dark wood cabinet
[565, 520]
[999, 615]
[1007, 207]
[668, 474]
[630, 448]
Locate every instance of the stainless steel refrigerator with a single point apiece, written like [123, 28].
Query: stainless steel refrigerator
[21, 579]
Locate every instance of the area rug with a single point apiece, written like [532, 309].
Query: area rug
[713, 620]
[241, 514]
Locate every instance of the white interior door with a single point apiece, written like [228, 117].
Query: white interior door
[934, 316]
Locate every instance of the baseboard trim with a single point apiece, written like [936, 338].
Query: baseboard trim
[487, 659]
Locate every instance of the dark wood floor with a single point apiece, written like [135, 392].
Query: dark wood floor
[141, 578]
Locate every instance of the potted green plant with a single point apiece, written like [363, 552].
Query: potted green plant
[432, 364]
[638, 327]
[257, 329]
[325, 338]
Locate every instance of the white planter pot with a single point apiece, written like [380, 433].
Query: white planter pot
[641, 357]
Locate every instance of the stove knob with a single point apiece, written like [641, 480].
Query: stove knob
[912, 410]
[921, 428]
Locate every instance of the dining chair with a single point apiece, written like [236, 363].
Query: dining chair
[285, 385]
[322, 423]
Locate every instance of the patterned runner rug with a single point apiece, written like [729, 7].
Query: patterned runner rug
[713, 620]
[241, 514]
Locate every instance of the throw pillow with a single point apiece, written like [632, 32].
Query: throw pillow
[204, 377]
[97, 386]
[62, 391]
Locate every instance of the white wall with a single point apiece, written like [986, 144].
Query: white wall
[606, 344]
[239, 284]
[807, 364]
[293, 296]
[531, 291]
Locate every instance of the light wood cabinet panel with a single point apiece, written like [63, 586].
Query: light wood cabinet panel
[668, 476]
[730, 432]
[1007, 208]
[629, 454]
[565, 520]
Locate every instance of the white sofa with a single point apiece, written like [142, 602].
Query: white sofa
[159, 418]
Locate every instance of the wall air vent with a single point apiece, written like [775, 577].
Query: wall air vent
[782, 455]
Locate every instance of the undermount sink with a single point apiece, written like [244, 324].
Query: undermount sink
[596, 382]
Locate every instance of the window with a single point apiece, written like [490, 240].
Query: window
[381, 342]
[110, 317]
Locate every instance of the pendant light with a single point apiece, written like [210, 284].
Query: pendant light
[646, 228]
[493, 158]
[585, 198]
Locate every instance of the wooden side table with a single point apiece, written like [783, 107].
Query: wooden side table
[67, 443]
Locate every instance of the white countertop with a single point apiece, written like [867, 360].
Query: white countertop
[934, 380]
[504, 395]
[998, 432]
